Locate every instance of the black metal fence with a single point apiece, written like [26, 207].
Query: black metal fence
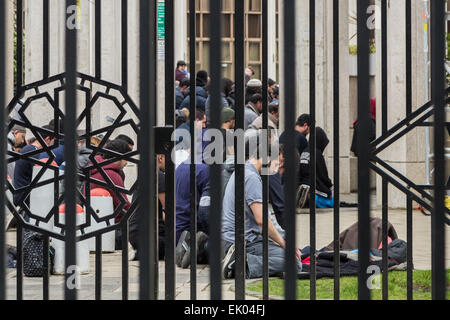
[146, 202]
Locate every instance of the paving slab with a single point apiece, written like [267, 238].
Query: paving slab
[112, 267]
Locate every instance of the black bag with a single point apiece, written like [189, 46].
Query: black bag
[33, 258]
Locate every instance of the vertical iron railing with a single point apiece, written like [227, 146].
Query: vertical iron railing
[19, 85]
[147, 166]
[384, 126]
[240, 269]
[363, 150]
[98, 75]
[192, 130]
[438, 279]
[289, 103]
[216, 169]
[169, 165]
[409, 204]
[265, 177]
[3, 165]
[336, 147]
[70, 154]
[46, 67]
[147, 184]
[124, 228]
[312, 146]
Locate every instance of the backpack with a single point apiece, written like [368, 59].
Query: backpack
[33, 259]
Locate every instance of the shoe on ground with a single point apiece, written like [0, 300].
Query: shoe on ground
[202, 238]
[131, 252]
[186, 261]
[228, 263]
[302, 195]
[182, 247]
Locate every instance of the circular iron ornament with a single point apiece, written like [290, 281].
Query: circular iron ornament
[54, 98]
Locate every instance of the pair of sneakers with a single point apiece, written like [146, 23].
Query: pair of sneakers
[302, 195]
[183, 250]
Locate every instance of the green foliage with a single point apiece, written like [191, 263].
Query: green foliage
[349, 287]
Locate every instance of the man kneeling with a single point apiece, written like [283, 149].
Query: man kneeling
[253, 225]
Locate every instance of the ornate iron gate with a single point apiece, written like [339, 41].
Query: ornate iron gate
[72, 82]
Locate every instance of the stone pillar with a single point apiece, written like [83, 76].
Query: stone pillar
[39, 112]
[407, 155]
[324, 76]
[344, 105]
[180, 30]
[9, 81]
[272, 40]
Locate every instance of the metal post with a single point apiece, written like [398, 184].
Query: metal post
[312, 145]
[438, 280]
[193, 176]
[70, 153]
[124, 227]
[290, 284]
[409, 274]
[216, 169]
[2, 149]
[384, 126]
[363, 150]
[146, 141]
[240, 269]
[265, 177]
[98, 267]
[336, 147]
[170, 166]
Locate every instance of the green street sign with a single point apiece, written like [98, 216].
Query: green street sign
[161, 20]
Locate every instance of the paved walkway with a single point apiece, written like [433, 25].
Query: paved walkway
[111, 276]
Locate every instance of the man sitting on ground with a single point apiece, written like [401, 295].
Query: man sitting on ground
[23, 171]
[252, 110]
[253, 224]
[324, 186]
[114, 171]
[180, 92]
[301, 131]
[135, 218]
[183, 212]
[127, 139]
[16, 137]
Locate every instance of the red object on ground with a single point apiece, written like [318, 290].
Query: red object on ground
[381, 243]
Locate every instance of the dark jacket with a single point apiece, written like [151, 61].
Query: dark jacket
[223, 104]
[348, 239]
[323, 181]
[135, 220]
[179, 97]
[200, 97]
[23, 173]
[356, 135]
[276, 197]
[113, 171]
[58, 152]
[300, 141]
